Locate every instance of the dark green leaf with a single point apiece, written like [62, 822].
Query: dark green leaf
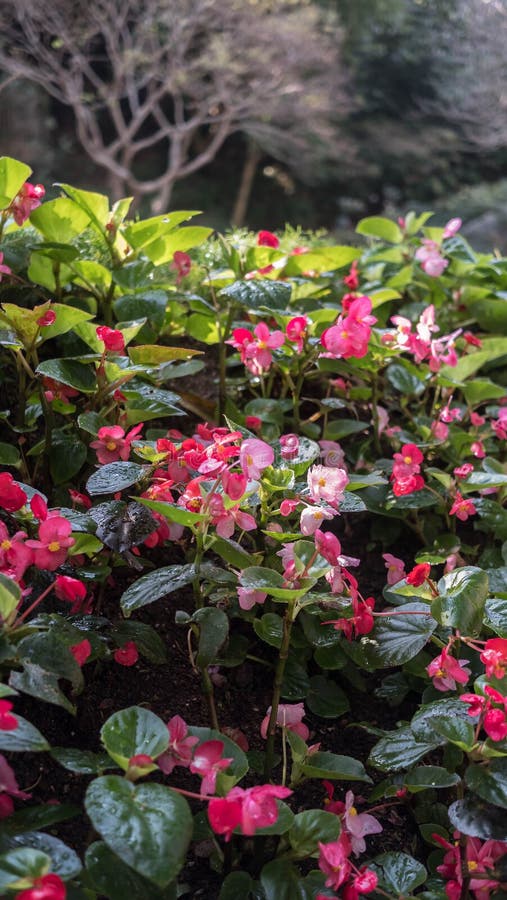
[133, 731]
[326, 699]
[71, 372]
[65, 862]
[333, 766]
[115, 476]
[213, 631]
[23, 739]
[121, 525]
[312, 827]
[462, 598]
[399, 637]
[82, 762]
[489, 783]
[155, 585]
[425, 777]
[399, 750]
[269, 628]
[32, 818]
[111, 877]
[148, 826]
[398, 873]
[478, 818]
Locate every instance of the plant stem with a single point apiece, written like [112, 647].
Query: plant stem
[207, 689]
[277, 686]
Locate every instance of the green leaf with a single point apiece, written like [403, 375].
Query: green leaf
[10, 595]
[132, 731]
[122, 525]
[148, 826]
[489, 783]
[155, 355]
[404, 382]
[481, 389]
[436, 712]
[399, 750]
[65, 862]
[492, 349]
[258, 578]
[333, 766]
[13, 175]
[172, 512]
[82, 762]
[9, 455]
[115, 476]
[477, 818]
[236, 885]
[154, 585]
[96, 206]
[23, 739]
[22, 863]
[237, 768]
[399, 637]
[68, 455]
[37, 682]
[496, 616]
[144, 232]
[321, 259]
[281, 881]
[457, 731]
[213, 632]
[269, 628]
[425, 777]
[398, 873]
[164, 247]
[70, 372]
[232, 552]
[326, 699]
[67, 318]
[462, 599]
[148, 641]
[257, 294]
[111, 877]
[59, 220]
[33, 818]
[378, 227]
[312, 827]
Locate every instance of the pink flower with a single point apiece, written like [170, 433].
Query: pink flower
[255, 456]
[267, 239]
[234, 484]
[46, 887]
[296, 331]
[208, 762]
[248, 597]
[452, 227]
[12, 496]
[446, 671]
[477, 448]
[395, 568]
[50, 551]
[27, 199]
[439, 430]
[463, 471]
[334, 862]
[327, 483]
[363, 883]
[181, 746]
[289, 446]
[112, 338]
[328, 546]
[494, 657]
[253, 423]
[495, 724]
[358, 825]
[4, 270]
[248, 809]
[312, 517]
[429, 256]
[287, 507]
[8, 722]
[289, 715]
[15, 556]
[9, 787]
[127, 655]
[350, 334]
[462, 508]
[113, 443]
[332, 454]
[181, 264]
[352, 279]
[39, 507]
[408, 461]
[81, 651]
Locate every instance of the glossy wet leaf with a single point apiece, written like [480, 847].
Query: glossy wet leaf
[311, 827]
[116, 880]
[398, 750]
[65, 861]
[398, 873]
[133, 731]
[148, 826]
[333, 766]
[213, 632]
[478, 818]
[326, 699]
[71, 372]
[461, 600]
[154, 585]
[123, 525]
[490, 782]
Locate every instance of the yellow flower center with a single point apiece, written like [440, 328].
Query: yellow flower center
[407, 460]
[111, 445]
[54, 546]
[472, 865]
[317, 514]
[322, 482]
[352, 811]
[5, 545]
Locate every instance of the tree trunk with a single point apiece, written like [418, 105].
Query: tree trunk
[252, 160]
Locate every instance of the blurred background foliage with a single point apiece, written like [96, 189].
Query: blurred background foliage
[380, 106]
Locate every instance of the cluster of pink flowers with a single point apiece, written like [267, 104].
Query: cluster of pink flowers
[479, 858]
[356, 825]
[28, 198]
[421, 343]
[406, 477]
[429, 254]
[113, 444]
[342, 874]
[350, 335]
[256, 348]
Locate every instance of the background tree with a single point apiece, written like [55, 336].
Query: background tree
[152, 80]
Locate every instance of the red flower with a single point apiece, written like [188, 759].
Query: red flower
[39, 507]
[181, 264]
[419, 574]
[49, 318]
[47, 887]
[248, 809]
[267, 239]
[113, 339]
[352, 279]
[8, 722]
[494, 657]
[69, 589]
[12, 497]
[127, 655]
[81, 651]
